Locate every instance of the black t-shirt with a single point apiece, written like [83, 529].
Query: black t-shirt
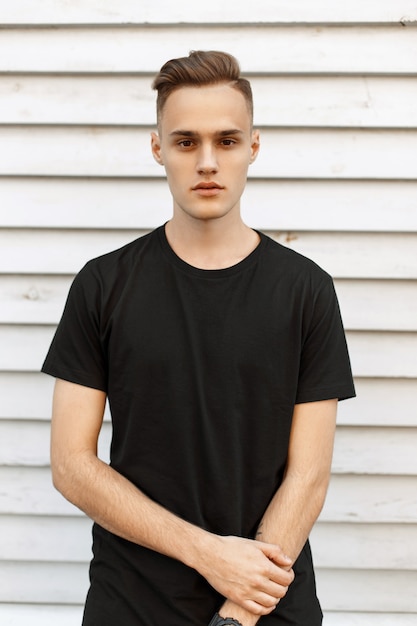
[202, 369]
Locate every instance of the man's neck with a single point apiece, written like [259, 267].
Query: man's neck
[211, 244]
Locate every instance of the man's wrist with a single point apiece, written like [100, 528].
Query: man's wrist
[223, 621]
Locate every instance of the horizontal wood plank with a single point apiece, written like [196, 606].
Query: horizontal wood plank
[52, 12]
[377, 305]
[41, 614]
[334, 49]
[352, 499]
[345, 618]
[45, 538]
[57, 583]
[285, 153]
[307, 205]
[381, 402]
[361, 590]
[371, 499]
[365, 546]
[383, 354]
[365, 304]
[336, 546]
[305, 101]
[343, 255]
[360, 450]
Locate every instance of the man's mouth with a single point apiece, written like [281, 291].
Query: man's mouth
[208, 190]
[210, 185]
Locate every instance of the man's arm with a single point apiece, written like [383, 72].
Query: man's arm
[243, 570]
[296, 505]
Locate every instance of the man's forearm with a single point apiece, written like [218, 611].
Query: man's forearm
[115, 503]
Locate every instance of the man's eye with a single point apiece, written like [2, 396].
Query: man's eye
[185, 143]
[228, 142]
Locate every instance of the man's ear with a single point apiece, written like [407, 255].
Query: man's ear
[156, 148]
[255, 145]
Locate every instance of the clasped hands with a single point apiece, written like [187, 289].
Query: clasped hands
[251, 574]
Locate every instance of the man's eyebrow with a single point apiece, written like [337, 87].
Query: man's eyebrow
[193, 133]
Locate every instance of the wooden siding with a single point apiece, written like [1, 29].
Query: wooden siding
[335, 91]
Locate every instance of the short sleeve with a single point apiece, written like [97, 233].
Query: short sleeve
[325, 370]
[76, 353]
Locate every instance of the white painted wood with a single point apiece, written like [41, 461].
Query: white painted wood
[371, 499]
[305, 205]
[33, 299]
[343, 255]
[335, 101]
[285, 153]
[381, 402]
[25, 395]
[56, 583]
[332, 618]
[365, 546]
[120, 100]
[56, 252]
[32, 538]
[305, 101]
[24, 347]
[382, 50]
[372, 354]
[164, 11]
[358, 450]
[98, 203]
[377, 305]
[40, 614]
[24, 443]
[383, 354]
[361, 590]
[351, 499]
[365, 304]
[361, 255]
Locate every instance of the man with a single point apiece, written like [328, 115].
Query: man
[222, 355]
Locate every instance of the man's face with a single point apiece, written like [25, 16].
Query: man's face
[206, 145]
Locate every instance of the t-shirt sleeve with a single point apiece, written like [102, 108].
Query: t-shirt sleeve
[76, 352]
[325, 370]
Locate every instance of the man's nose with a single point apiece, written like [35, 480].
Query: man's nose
[207, 159]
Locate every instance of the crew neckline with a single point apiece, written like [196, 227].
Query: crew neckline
[210, 273]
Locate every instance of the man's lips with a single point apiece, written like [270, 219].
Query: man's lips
[210, 185]
[208, 190]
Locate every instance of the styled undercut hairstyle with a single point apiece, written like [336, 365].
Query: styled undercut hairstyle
[200, 68]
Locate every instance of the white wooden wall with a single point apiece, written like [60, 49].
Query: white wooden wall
[336, 100]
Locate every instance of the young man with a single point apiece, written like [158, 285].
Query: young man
[222, 355]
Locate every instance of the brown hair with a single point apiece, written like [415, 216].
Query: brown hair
[198, 69]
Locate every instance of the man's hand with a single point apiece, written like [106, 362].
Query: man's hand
[251, 574]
